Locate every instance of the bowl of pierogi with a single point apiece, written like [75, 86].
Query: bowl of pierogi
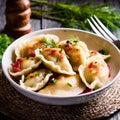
[61, 66]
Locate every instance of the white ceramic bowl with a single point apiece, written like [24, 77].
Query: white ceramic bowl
[93, 42]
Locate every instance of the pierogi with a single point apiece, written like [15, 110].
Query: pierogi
[23, 66]
[64, 85]
[51, 66]
[77, 52]
[27, 48]
[36, 80]
[56, 60]
[95, 72]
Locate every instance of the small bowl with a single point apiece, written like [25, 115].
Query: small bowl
[93, 42]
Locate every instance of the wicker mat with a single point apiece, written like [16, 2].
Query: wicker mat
[19, 107]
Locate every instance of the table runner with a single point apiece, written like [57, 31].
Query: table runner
[19, 107]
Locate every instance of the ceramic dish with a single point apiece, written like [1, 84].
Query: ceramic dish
[93, 42]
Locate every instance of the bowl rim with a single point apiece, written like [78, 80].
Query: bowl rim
[56, 97]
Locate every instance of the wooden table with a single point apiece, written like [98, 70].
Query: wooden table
[42, 24]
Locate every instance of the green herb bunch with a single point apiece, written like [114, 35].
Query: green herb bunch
[5, 40]
[75, 16]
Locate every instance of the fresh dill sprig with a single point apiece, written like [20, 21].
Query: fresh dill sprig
[49, 43]
[75, 16]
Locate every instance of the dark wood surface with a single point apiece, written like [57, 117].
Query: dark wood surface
[42, 24]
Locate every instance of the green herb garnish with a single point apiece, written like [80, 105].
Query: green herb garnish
[103, 51]
[61, 50]
[96, 87]
[25, 78]
[49, 43]
[37, 74]
[69, 84]
[54, 81]
[4, 43]
[72, 40]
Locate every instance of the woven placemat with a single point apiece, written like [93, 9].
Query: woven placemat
[19, 107]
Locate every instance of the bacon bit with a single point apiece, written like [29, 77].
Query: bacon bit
[16, 69]
[93, 52]
[69, 47]
[90, 65]
[94, 69]
[61, 56]
[109, 74]
[32, 54]
[51, 52]
[16, 65]
[48, 52]
[20, 59]
[87, 90]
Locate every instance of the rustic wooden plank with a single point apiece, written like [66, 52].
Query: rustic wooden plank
[2, 15]
[50, 24]
[35, 24]
[114, 3]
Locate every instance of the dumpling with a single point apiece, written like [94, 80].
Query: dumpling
[24, 66]
[36, 80]
[56, 60]
[95, 73]
[64, 85]
[27, 47]
[77, 52]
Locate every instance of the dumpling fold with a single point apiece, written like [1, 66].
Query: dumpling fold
[77, 52]
[23, 66]
[36, 80]
[95, 73]
[26, 48]
[56, 60]
[64, 86]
